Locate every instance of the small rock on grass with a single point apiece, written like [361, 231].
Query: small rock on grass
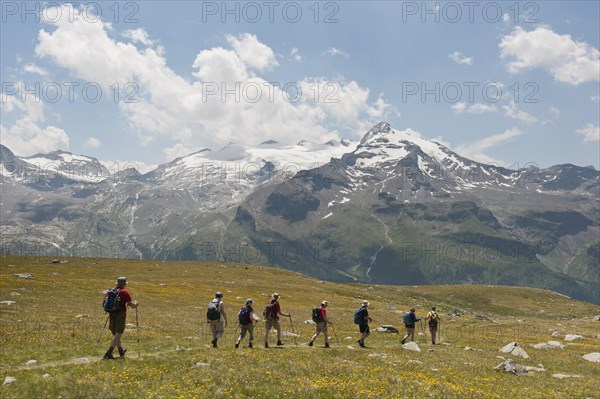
[30, 362]
[9, 380]
[82, 360]
[46, 376]
[561, 376]
[573, 337]
[592, 357]
[411, 346]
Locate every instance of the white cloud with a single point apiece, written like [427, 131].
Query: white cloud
[32, 68]
[476, 149]
[138, 35]
[568, 61]
[589, 132]
[92, 142]
[295, 55]
[335, 52]
[476, 108]
[182, 109]
[554, 112]
[252, 52]
[26, 137]
[512, 112]
[460, 59]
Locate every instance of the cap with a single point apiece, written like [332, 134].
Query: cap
[121, 281]
[275, 295]
[324, 303]
[365, 303]
[249, 301]
[219, 294]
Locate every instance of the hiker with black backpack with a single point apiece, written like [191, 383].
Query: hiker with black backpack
[433, 320]
[410, 318]
[271, 313]
[246, 316]
[216, 317]
[319, 316]
[361, 317]
[115, 303]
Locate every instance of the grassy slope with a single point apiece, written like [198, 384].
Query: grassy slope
[43, 325]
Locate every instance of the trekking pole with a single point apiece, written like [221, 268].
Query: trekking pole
[103, 328]
[235, 332]
[293, 332]
[422, 332]
[137, 331]
[335, 334]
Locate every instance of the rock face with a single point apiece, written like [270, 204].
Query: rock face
[592, 357]
[515, 349]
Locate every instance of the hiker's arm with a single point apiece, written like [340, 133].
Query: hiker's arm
[133, 304]
[223, 312]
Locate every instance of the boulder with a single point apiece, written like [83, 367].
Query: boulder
[514, 349]
[411, 346]
[9, 380]
[573, 337]
[592, 357]
[549, 345]
[509, 366]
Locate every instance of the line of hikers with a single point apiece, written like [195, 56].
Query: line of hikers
[217, 318]
[117, 300]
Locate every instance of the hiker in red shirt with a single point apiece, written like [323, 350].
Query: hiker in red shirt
[271, 313]
[117, 319]
[321, 325]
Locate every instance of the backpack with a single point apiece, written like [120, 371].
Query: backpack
[213, 312]
[112, 301]
[359, 316]
[316, 315]
[407, 320]
[244, 315]
[269, 311]
[433, 321]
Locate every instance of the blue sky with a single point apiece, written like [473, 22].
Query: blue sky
[512, 83]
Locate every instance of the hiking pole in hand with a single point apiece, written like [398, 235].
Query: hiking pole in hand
[137, 331]
[293, 332]
[334, 333]
[103, 328]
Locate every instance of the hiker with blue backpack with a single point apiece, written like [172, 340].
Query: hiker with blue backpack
[115, 303]
[361, 317]
[319, 316]
[216, 317]
[410, 318]
[246, 316]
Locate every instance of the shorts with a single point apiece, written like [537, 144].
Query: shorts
[410, 330]
[364, 328]
[272, 323]
[117, 322]
[433, 329]
[321, 327]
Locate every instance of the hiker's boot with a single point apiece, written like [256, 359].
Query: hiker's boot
[403, 341]
[214, 343]
[109, 354]
[250, 345]
[279, 343]
[310, 343]
[326, 345]
[361, 343]
[122, 353]
[266, 344]
[237, 344]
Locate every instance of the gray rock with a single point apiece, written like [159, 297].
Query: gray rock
[592, 357]
[573, 337]
[509, 366]
[9, 380]
[411, 346]
[514, 349]
[27, 276]
[561, 376]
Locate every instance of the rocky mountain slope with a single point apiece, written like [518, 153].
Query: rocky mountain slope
[395, 208]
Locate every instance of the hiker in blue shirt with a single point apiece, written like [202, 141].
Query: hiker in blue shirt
[409, 322]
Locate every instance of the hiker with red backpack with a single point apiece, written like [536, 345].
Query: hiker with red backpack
[271, 313]
[433, 320]
[246, 316]
[319, 316]
[216, 317]
[361, 317]
[410, 318]
[115, 303]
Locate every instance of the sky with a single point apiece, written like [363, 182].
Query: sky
[510, 83]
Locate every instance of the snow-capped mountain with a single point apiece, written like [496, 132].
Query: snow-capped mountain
[392, 208]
